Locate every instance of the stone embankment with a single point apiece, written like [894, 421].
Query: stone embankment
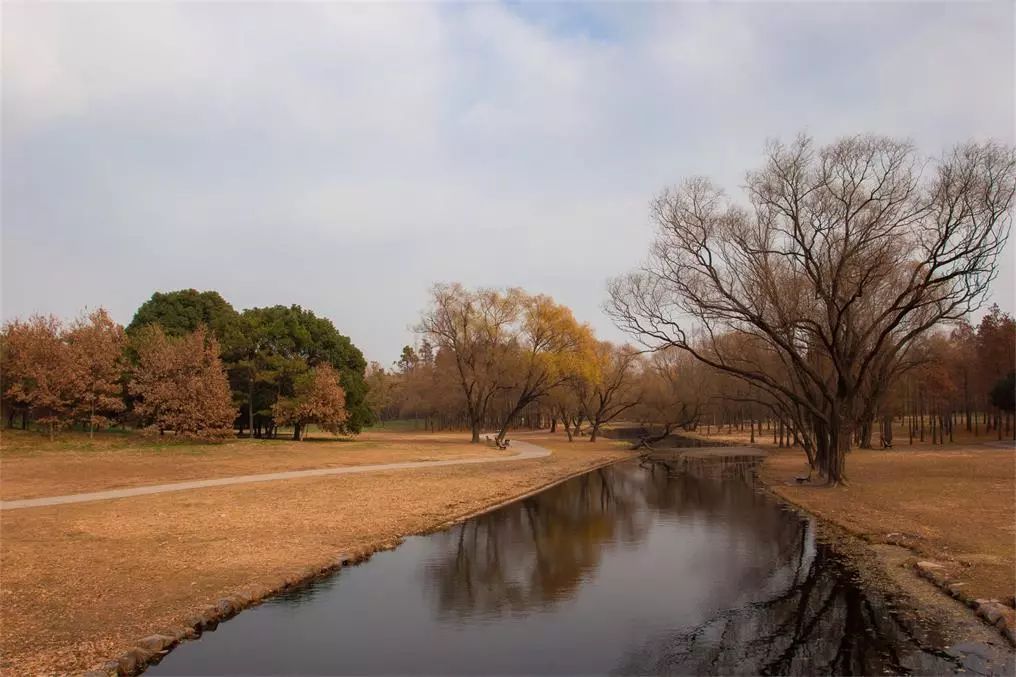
[993, 611]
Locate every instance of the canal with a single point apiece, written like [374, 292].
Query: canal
[631, 569]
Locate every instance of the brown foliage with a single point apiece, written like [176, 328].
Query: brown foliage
[95, 350]
[37, 370]
[181, 385]
[319, 399]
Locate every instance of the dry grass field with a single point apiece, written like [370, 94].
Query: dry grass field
[31, 466]
[953, 502]
[956, 506]
[83, 582]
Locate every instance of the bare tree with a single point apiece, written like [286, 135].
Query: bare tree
[673, 391]
[476, 328]
[845, 256]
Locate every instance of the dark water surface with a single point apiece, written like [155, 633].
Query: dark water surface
[628, 569]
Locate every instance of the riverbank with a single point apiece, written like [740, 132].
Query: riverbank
[86, 582]
[939, 516]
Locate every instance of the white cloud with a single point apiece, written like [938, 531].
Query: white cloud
[344, 156]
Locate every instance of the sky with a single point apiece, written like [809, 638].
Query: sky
[347, 156]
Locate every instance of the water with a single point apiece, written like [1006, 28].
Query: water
[629, 570]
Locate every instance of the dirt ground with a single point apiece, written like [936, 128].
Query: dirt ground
[82, 583]
[956, 506]
[31, 466]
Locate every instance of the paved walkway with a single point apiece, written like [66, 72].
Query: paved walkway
[526, 451]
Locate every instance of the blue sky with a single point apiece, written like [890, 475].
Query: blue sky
[346, 156]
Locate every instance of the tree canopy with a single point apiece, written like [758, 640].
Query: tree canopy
[183, 311]
[265, 350]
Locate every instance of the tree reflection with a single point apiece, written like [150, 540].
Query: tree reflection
[807, 613]
[537, 552]
[820, 623]
[781, 603]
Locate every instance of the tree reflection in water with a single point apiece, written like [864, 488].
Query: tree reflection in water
[539, 551]
[788, 606]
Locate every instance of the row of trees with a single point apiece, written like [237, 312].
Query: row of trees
[190, 363]
[830, 304]
[269, 353]
[668, 389]
[965, 379]
[493, 359]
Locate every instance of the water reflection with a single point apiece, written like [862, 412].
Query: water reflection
[529, 557]
[674, 568]
[792, 606]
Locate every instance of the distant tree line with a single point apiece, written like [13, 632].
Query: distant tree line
[831, 305]
[188, 363]
[492, 360]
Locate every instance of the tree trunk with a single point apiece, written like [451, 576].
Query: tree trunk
[553, 424]
[250, 406]
[296, 432]
[475, 426]
[865, 437]
[838, 449]
[509, 418]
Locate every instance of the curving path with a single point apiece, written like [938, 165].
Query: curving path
[526, 450]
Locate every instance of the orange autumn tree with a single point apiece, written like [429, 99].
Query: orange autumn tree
[37, 373]
[180, 384]
[318, 399]
[549, 348]
[95, 347]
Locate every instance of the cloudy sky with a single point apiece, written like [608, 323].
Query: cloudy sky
[346, 156]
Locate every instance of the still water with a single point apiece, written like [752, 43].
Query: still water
[632, 569]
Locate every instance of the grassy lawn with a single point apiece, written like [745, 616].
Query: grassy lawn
[32, 466]
[84, 582]
[953, 502]
[955, 506]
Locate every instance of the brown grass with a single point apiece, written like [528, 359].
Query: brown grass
[956, 505]
[81, 583]
[31, 466]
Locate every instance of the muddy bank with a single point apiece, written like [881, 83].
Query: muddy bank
[897, 567]
[982, 629]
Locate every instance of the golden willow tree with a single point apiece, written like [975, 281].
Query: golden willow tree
[548, 348]
[506, 344]
[843, 257]
[601, 387]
